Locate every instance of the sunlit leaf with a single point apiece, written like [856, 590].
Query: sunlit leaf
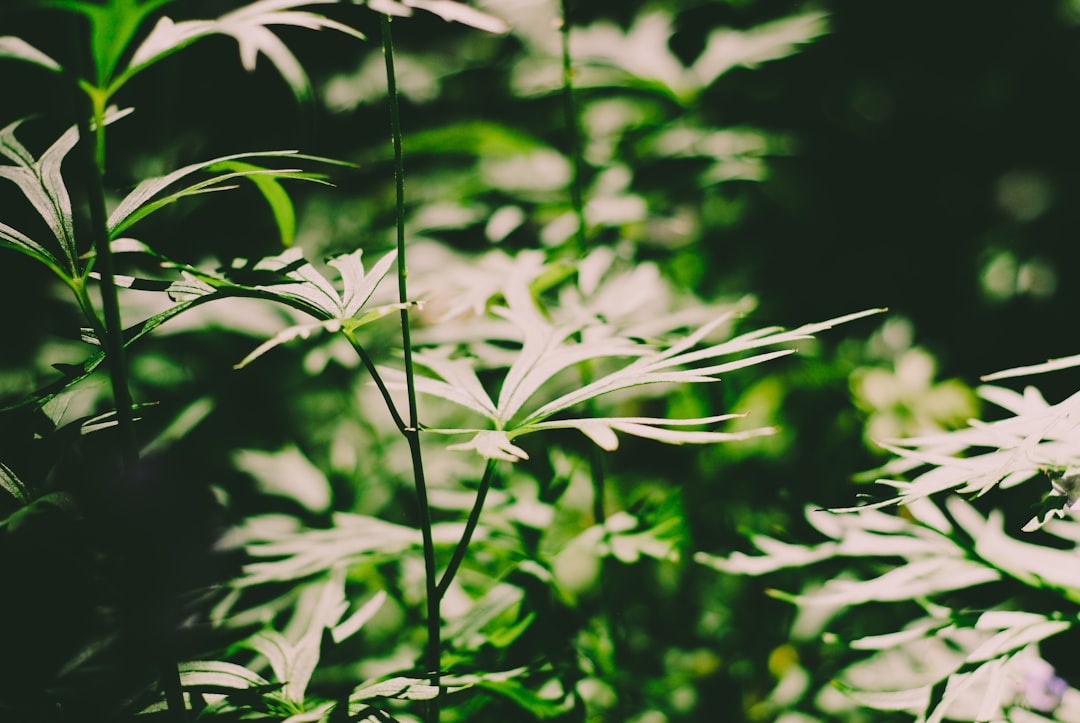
[137, 205]
[491, 444]
[461, 13]
[352, 624]
[19, 49]
[249, 26]
[601, 430]
[41, 182]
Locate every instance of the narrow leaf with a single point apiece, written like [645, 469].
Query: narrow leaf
[461, 13]
[19, 49]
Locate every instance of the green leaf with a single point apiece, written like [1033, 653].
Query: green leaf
[528, 699]
[352, 624]
[19, 49]
[40, 181]
[217, 674]
[458, 12]
[491, 444]
[286, 473]
[402, 688]
[13, 239]
[280, 203]
[358, 286]
[11, 484]
[297, 331]
[601, 430]
[137, 206]
[249, 26]
[112, 26]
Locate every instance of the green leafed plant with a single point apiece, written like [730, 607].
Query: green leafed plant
[339, 608]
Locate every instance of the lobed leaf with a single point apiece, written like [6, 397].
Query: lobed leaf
[249, 26]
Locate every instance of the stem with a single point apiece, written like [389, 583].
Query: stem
[112, 340]
[412, 432]
[573, 131]
[374, 372]
[111, 336]
[470, 527]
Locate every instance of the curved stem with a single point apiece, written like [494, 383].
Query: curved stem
[412, 431]
[470, 527]
[379, 383]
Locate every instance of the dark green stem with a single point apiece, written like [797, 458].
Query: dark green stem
[112, 341]
[379, 383]
[470, 527]
[412, 432]
[573, 132]
[111, 337]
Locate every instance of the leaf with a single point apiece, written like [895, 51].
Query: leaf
[492, 445]
[249, 26]
[272, 191]
[1052, 365]
[19, 49]
[358, 286]
[14, 239]
[461, 13]
[601, 430]
[11, 484]
[286, 473]
[135, 206]
[352, 624]
[112, 26]
[297, 331]
[218, 674]
[41, 182]
[402, 688]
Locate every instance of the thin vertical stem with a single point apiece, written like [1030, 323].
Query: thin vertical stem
[412, 432]
[112, 329]
[111, 336]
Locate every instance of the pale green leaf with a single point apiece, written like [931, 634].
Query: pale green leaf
[491, 444]
[134, 206]
[277, 650]
[358, 286]
[1052, 365]
[1015, 637]
[19, 49]
[352, 624]
[43, 185]
[298, 331]
[249, 26]
[912, 700]
[217, 673]
[402, 688]
[286, 473]
[602, 429]
[15, 239]
[461, 13]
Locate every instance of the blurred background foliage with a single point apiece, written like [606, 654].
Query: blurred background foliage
[819, 157]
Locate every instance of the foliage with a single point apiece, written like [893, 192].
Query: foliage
[220, 575]
[980, 599]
